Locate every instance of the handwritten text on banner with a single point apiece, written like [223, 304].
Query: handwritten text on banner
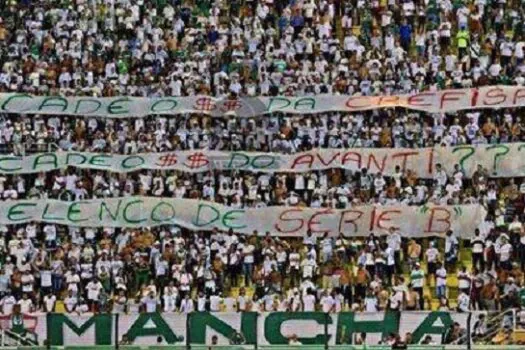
[502, 160]
[413, 221]
[123, 107]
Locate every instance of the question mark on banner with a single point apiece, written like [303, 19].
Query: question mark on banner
[470, 151]
[503, 150]
[522, 146]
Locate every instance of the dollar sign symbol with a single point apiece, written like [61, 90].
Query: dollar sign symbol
[197, 160]
[204, 104]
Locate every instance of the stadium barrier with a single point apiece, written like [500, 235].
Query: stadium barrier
[251, 330]
[303, 347]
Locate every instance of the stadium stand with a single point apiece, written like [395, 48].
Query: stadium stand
[243, 53]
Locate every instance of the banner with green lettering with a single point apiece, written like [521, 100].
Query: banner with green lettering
[124, 107]
[501, 160]
[269, 328]
[411, 221]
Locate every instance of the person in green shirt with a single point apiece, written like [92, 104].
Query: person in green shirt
[463, 40]
[417, 281]
[522, 296]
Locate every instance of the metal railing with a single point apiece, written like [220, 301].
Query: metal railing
[277, 347]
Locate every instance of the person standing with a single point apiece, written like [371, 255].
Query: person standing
[417, 281]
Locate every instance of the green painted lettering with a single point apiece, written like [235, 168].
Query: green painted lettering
[197, 221]
[230, 216]
[104, 207]
[100, 160]
[280, 101]
[234, 163]
[45, 159]
[72, 156]
[115, 107]
[47, 216]
[263, 161]
[10, 98]
[125, 212]
[201, 321]
[158, 214]
[428, 325]
[57, 324]
[307, 103]
[274, 321]
[74, 211]
[52, 102]
[14, 212]
[164, 105]
[7, 160]
[132, 162]
[152, 325]
[347, 326]
[87, 101]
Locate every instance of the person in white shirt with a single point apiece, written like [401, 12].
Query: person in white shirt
[478, 249]
[27, 280]
[270, 302]
[451, 250]
[120, 302]
[294, 341]
[327, 302]
[82, 306]
[94, 287]
[393, 240]
[230, 304]
[248, 260]
[370, 302]
[441, 281]
[242, 300]
[202, 302]
[7, 304]
[294, 266]
[505, 253]
[463, 302]
[187, 305]
[432, 257]
[70, 302]
[440, 176]
[215, 302]
[170, 301]
[49, 302]
[464, 280]
[26, 304]
[309, 302]
[309, 266]
[149, 303]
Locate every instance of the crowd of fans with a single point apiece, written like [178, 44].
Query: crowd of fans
[249, 48]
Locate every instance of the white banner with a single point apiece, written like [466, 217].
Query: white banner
[267, 328]
[412, 221]
[502, 160]
[123, 107]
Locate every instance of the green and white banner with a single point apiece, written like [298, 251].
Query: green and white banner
[411, 221]
[124, 107]
[502, 160]
[262, 329]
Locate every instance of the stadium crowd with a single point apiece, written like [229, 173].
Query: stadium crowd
[250, 48]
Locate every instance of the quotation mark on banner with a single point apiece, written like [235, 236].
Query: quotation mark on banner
[197, 160]
[457, 210]
[167, 160]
